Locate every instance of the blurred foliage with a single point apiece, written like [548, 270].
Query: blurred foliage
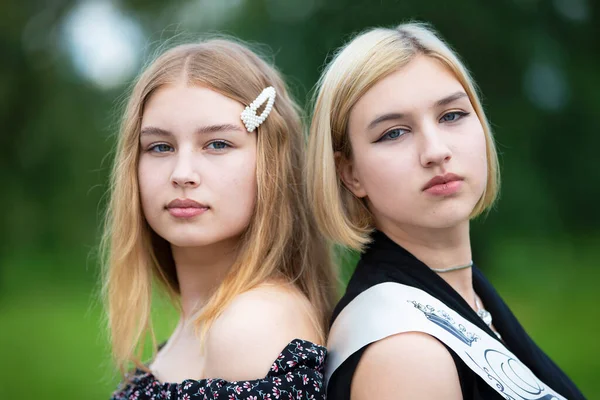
[535, 61]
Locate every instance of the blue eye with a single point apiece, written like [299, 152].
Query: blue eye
[218, 145]
[453, 116]
[160, 148]
[392, 134]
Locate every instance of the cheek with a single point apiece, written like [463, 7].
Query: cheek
[147, 182]
[246, 185]
[471, 160]
[151, 183]
[477, 155]
[385, 175]
[238, 187]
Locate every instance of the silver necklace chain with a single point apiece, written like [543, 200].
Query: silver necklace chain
[481, 312]
[485, 316]
[469, 265]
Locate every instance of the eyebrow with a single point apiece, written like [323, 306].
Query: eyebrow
[449, 99]
[153, 130]
[396, 116]
[383, 118]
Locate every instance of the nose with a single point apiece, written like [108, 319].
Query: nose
[185, 173]
[434, 148]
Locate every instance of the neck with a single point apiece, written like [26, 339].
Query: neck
[440, 249]
[200, 271]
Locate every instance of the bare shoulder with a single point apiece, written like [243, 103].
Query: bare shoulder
[410, 365]
[252, 331]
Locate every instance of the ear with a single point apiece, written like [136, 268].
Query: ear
[347, 173]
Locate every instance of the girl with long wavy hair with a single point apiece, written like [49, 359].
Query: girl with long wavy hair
[207, 200]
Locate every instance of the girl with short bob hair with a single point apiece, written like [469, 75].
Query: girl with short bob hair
[401, 157]
[207, 199]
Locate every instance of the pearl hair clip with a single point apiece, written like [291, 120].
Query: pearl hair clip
[249, 117]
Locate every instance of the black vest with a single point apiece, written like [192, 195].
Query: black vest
[386, 261]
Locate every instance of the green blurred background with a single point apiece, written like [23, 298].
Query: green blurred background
[65, 70]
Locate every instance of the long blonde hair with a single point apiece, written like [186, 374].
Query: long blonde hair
[355, 68]
[281, 241]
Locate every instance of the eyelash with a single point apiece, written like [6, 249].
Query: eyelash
[386, 136]
[219, 142]
[460, 115]
[154, 147]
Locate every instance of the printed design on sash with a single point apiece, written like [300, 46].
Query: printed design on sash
[445, 321]
[503, 370]
[509, 372]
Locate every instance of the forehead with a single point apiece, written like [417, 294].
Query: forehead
[415, 86]
[184, 104]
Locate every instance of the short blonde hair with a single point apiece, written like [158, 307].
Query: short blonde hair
[356, 67]
[281, 242]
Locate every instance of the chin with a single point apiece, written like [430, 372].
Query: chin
[199, 237]
[449, 216]
[186, 237]
[190, 242]
[447, 223]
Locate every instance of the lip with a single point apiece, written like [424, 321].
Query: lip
[443, 185]
[186, 208]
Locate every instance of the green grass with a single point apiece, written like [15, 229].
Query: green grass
[54, 345]
[53, 349]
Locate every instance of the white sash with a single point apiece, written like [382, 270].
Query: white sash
[390, 308]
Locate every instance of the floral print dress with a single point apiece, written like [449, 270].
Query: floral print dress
[296, 374]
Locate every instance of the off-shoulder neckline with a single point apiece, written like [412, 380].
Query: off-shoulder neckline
[141, 376]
